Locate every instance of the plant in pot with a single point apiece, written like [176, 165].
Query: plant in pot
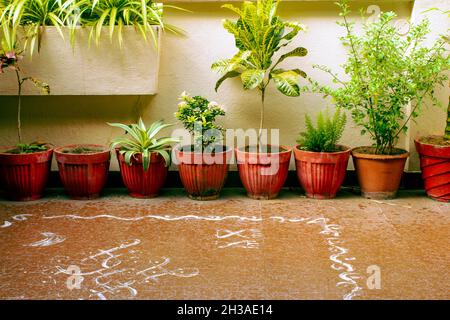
[259, 34]
[24, 168]
[389, 78]
[203, 165]
[321, 163]
[83, 169]
[143, 158]
[434, 152]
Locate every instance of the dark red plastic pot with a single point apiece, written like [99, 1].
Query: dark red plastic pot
[435, 166]
[321, 173]
[83, 175]
[263, 174]
[140, 183]
[203, 175]
[24, 176]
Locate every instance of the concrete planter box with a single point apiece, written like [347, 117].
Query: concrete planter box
[105, 69]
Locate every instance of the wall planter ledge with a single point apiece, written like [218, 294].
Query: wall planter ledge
[106, 69]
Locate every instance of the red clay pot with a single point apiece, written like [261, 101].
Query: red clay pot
[321, 173]
[379, 175]
[83, 175]
[24, 176]
[263, 174]
[435, 165]
[203, 175]
[140, 183]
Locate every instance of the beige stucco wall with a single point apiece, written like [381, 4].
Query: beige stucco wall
[185, 65]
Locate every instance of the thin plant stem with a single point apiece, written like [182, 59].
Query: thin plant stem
[261, 123]
[19, 106]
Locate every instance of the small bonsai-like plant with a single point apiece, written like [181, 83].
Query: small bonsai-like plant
[10, 55]
[386, 72]
[259, 33]
[323, 137]
[198, 116]
[143, 141]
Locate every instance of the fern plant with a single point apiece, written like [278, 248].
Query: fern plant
[259, 33]
[143, 141]
[325, 135]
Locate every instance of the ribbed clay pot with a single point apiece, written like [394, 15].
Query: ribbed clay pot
[83, 174]
[202, 174]
[379, 176]
[24, 176]
[263, 174]
[141, 183]
[435, 166]
[321, 174]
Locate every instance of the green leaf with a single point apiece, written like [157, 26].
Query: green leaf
[287, 82]
[231, 74]
[252, 78]
[297, 52]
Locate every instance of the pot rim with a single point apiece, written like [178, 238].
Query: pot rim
[50, 149]
[59, 149]
[437, 146]
[178, 149]
[347, 150]
[357, 154]
[287, 150]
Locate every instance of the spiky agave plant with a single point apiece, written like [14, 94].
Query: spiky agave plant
[142, 140]
[259, 33]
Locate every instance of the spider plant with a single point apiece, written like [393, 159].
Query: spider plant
[142, 140]
[115, 14]
[35, 15]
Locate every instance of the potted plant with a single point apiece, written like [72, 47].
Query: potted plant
[118, 29]
[434, 154]
[321, 163]
[259, 34]
[203, 165]
[24, 168]
[83, 169]
[386, 73]
[143, 158]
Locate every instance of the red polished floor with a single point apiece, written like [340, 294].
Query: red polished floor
[172, 247]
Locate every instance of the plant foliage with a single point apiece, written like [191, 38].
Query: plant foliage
[115, 14]
[385, 73]
[259, 33]
[325, 135]
[10, 55]
[198, 116]
[142, 140]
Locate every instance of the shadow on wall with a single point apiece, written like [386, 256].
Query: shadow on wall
[69, 119]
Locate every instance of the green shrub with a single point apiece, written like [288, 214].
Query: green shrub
[198, 116]
[385, 73]
[324, 136]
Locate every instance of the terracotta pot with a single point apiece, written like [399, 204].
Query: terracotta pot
[321, 173]
[263, 174]
[24, 176]
[379, 176]
[435, 165]
[203, 175]
[140, 183]
[83, 175]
